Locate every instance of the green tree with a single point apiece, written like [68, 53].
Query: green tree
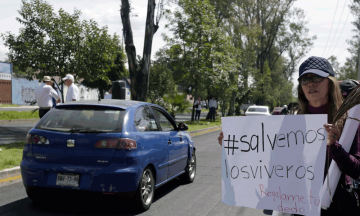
[199, 50]
[160, 83]
[55, 44]
[268, 33]
[351, 67]
[175, 103]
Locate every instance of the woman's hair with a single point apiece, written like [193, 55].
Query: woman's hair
[335, 99]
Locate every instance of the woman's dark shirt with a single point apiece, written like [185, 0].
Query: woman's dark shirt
[348, 163]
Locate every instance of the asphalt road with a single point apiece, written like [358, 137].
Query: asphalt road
[10, 133]
[202, 197]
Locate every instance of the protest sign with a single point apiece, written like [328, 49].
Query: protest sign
[274, 162]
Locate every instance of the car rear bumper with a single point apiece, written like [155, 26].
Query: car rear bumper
[109, 179]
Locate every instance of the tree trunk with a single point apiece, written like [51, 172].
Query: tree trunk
[139, 75]
[129, 46]
[144, 72]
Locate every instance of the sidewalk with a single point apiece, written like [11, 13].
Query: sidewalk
[12, 174]
[20, 107]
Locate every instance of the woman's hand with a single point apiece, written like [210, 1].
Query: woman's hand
[333, 133]
[220, 138]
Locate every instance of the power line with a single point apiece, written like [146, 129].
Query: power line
[338, 26]
[331, 27]
[341, 33]
[341, 51]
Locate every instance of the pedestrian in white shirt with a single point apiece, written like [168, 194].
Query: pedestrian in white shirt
[44, 95]
[212, 107]
[197, 104]
[73, 90]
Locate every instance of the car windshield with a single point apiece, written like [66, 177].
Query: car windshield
[83, 120]
[278, 108]
[257, 109]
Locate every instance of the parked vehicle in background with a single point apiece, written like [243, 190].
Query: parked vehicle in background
[257, 111]
[277, 110]
[121, 147]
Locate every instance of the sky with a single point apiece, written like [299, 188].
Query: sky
[329, 20]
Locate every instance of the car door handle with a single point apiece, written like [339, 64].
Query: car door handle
[169, 142]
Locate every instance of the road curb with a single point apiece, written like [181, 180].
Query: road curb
[10, 174]
[18, 121]
[15, 173]
[204, 131]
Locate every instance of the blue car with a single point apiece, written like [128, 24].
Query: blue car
[119, 147]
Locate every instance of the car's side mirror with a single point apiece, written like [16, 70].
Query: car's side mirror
[182, 127]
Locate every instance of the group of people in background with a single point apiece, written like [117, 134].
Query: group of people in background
[212, 107]
[47, 96]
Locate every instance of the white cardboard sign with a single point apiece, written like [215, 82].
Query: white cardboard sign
[274, 162]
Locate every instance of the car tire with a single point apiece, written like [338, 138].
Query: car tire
[190, 170]
[37, 194]
[145, 193]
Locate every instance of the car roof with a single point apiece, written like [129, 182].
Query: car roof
[124, 104]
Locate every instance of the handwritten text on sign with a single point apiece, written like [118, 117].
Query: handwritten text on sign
[274, 162]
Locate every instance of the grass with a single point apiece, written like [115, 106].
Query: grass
[10, 115]
[9, 105]
[11, 155]
[202, 124]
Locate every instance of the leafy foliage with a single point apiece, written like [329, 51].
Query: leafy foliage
[160, 83]
[175, 103]
[55, 44]
[199, 50]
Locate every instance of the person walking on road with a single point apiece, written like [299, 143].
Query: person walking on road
[197, 104]
[212, 107]
[73, 90]
[44, 95]
[285, 111]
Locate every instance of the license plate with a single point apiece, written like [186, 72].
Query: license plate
[67, 179]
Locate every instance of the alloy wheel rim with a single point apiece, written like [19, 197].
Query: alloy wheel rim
[192, 167]
[146, 189]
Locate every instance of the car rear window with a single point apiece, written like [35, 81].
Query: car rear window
[257, 109]
[83, 118]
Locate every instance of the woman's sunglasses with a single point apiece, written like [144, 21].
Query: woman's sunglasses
[304, 80]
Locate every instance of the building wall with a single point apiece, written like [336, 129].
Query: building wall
[23, 90]
[5, 82]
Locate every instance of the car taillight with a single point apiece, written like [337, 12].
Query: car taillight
[244, 115]
[107, 143]
[116, 143]
[36, 139]
[127, 144]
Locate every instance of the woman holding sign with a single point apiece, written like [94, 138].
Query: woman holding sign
[319, 93]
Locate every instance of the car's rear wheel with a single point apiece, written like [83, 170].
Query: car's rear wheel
[37, 194]
[145, 192]
[190, 170]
